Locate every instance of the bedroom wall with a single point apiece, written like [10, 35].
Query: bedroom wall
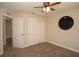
[65, 38]
[36, 29]
[1, 37]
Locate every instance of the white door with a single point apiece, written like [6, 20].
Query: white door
[18, 33]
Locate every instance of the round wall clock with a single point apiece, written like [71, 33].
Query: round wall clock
[66, 22]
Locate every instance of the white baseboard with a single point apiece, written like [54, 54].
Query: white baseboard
[27, 45]
[64, 47]
[32, 44]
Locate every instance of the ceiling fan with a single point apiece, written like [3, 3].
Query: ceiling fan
[47, 6]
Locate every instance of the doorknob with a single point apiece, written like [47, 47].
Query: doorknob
[22, 34]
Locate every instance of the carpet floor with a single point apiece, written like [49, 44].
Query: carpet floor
[39, 50]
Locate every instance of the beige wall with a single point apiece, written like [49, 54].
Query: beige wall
[65, 38]
[1, 31]
[1, 36]
[36, 29]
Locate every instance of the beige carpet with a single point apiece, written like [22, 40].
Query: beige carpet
[39, 50]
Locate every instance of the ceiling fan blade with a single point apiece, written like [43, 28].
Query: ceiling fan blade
[46, 4]
[52, 9]
[56, 3]
[39, 7]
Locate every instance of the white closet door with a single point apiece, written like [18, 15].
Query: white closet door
[18, 34]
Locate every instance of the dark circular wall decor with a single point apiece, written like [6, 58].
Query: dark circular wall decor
[66, 22]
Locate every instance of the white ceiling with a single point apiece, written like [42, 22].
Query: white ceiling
[28, 6]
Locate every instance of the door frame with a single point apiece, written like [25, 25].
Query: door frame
[4, 29]
[2, 18]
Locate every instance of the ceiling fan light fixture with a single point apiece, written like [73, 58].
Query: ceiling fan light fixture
[47, 6]
[47, 9]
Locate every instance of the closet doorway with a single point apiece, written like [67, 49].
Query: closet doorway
[7, 31]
